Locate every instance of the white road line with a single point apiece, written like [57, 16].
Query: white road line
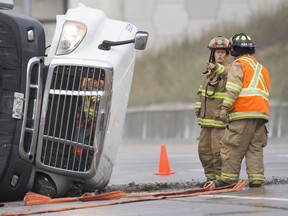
[181, 156]
[249, 198]
[282, 155]
[196, 170]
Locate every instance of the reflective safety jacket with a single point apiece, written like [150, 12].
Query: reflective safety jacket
[248, 88]
[90, 104]
[210, 97]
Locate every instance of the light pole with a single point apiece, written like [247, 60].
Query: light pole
[27, 7]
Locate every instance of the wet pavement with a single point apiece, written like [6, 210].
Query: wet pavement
[136, 165]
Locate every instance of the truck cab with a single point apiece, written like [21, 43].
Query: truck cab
[63, 105]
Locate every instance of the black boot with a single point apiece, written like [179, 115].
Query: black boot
[255, 183]
[220, 183]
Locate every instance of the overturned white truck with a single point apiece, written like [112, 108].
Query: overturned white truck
[61, 115]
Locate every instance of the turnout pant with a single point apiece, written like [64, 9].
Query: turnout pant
[243, 138]
[209, 151]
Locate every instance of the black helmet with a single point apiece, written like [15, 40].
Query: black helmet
[241, 40]
[241, 44]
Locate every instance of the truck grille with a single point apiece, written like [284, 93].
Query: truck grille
[77, 109]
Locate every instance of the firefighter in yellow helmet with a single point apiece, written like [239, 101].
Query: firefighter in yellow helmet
[89, 84]
[86, 124]
[246, 107]
[208, 106]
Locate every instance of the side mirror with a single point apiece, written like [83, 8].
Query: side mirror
[140, 41]
[6, 4]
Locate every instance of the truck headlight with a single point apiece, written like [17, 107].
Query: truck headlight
[71, 36]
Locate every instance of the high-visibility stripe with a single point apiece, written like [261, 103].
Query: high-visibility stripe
[257, 77]
[220, 69]
[198, 104]
[233, 86]
[211, 122]
[219, 95]
[95, 98]
[254, 87]
[90, 111]
[240, 115]
[263, 85]
[258, 177]
[230, 177]
[251, 62]
[228, 101]
[254, 92]
[211, 177]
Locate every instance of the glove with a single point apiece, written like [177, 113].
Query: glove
[197, 112]
[224, 117]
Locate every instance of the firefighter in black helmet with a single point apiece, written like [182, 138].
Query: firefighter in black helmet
[241, 44]
[208, 105]
[246, 105]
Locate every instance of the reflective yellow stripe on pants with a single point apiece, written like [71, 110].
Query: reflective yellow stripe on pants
[229, 177]
[256, 177]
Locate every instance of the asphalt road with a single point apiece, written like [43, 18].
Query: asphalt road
[136, 164]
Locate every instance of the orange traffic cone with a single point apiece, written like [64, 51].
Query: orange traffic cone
[164, 167]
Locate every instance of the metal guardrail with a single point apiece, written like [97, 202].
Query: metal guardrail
[179, 124]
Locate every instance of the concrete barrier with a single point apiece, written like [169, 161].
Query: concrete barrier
[178, 124]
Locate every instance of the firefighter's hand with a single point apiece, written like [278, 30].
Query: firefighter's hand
[197, 112]
[224, 117]
[211, 66]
